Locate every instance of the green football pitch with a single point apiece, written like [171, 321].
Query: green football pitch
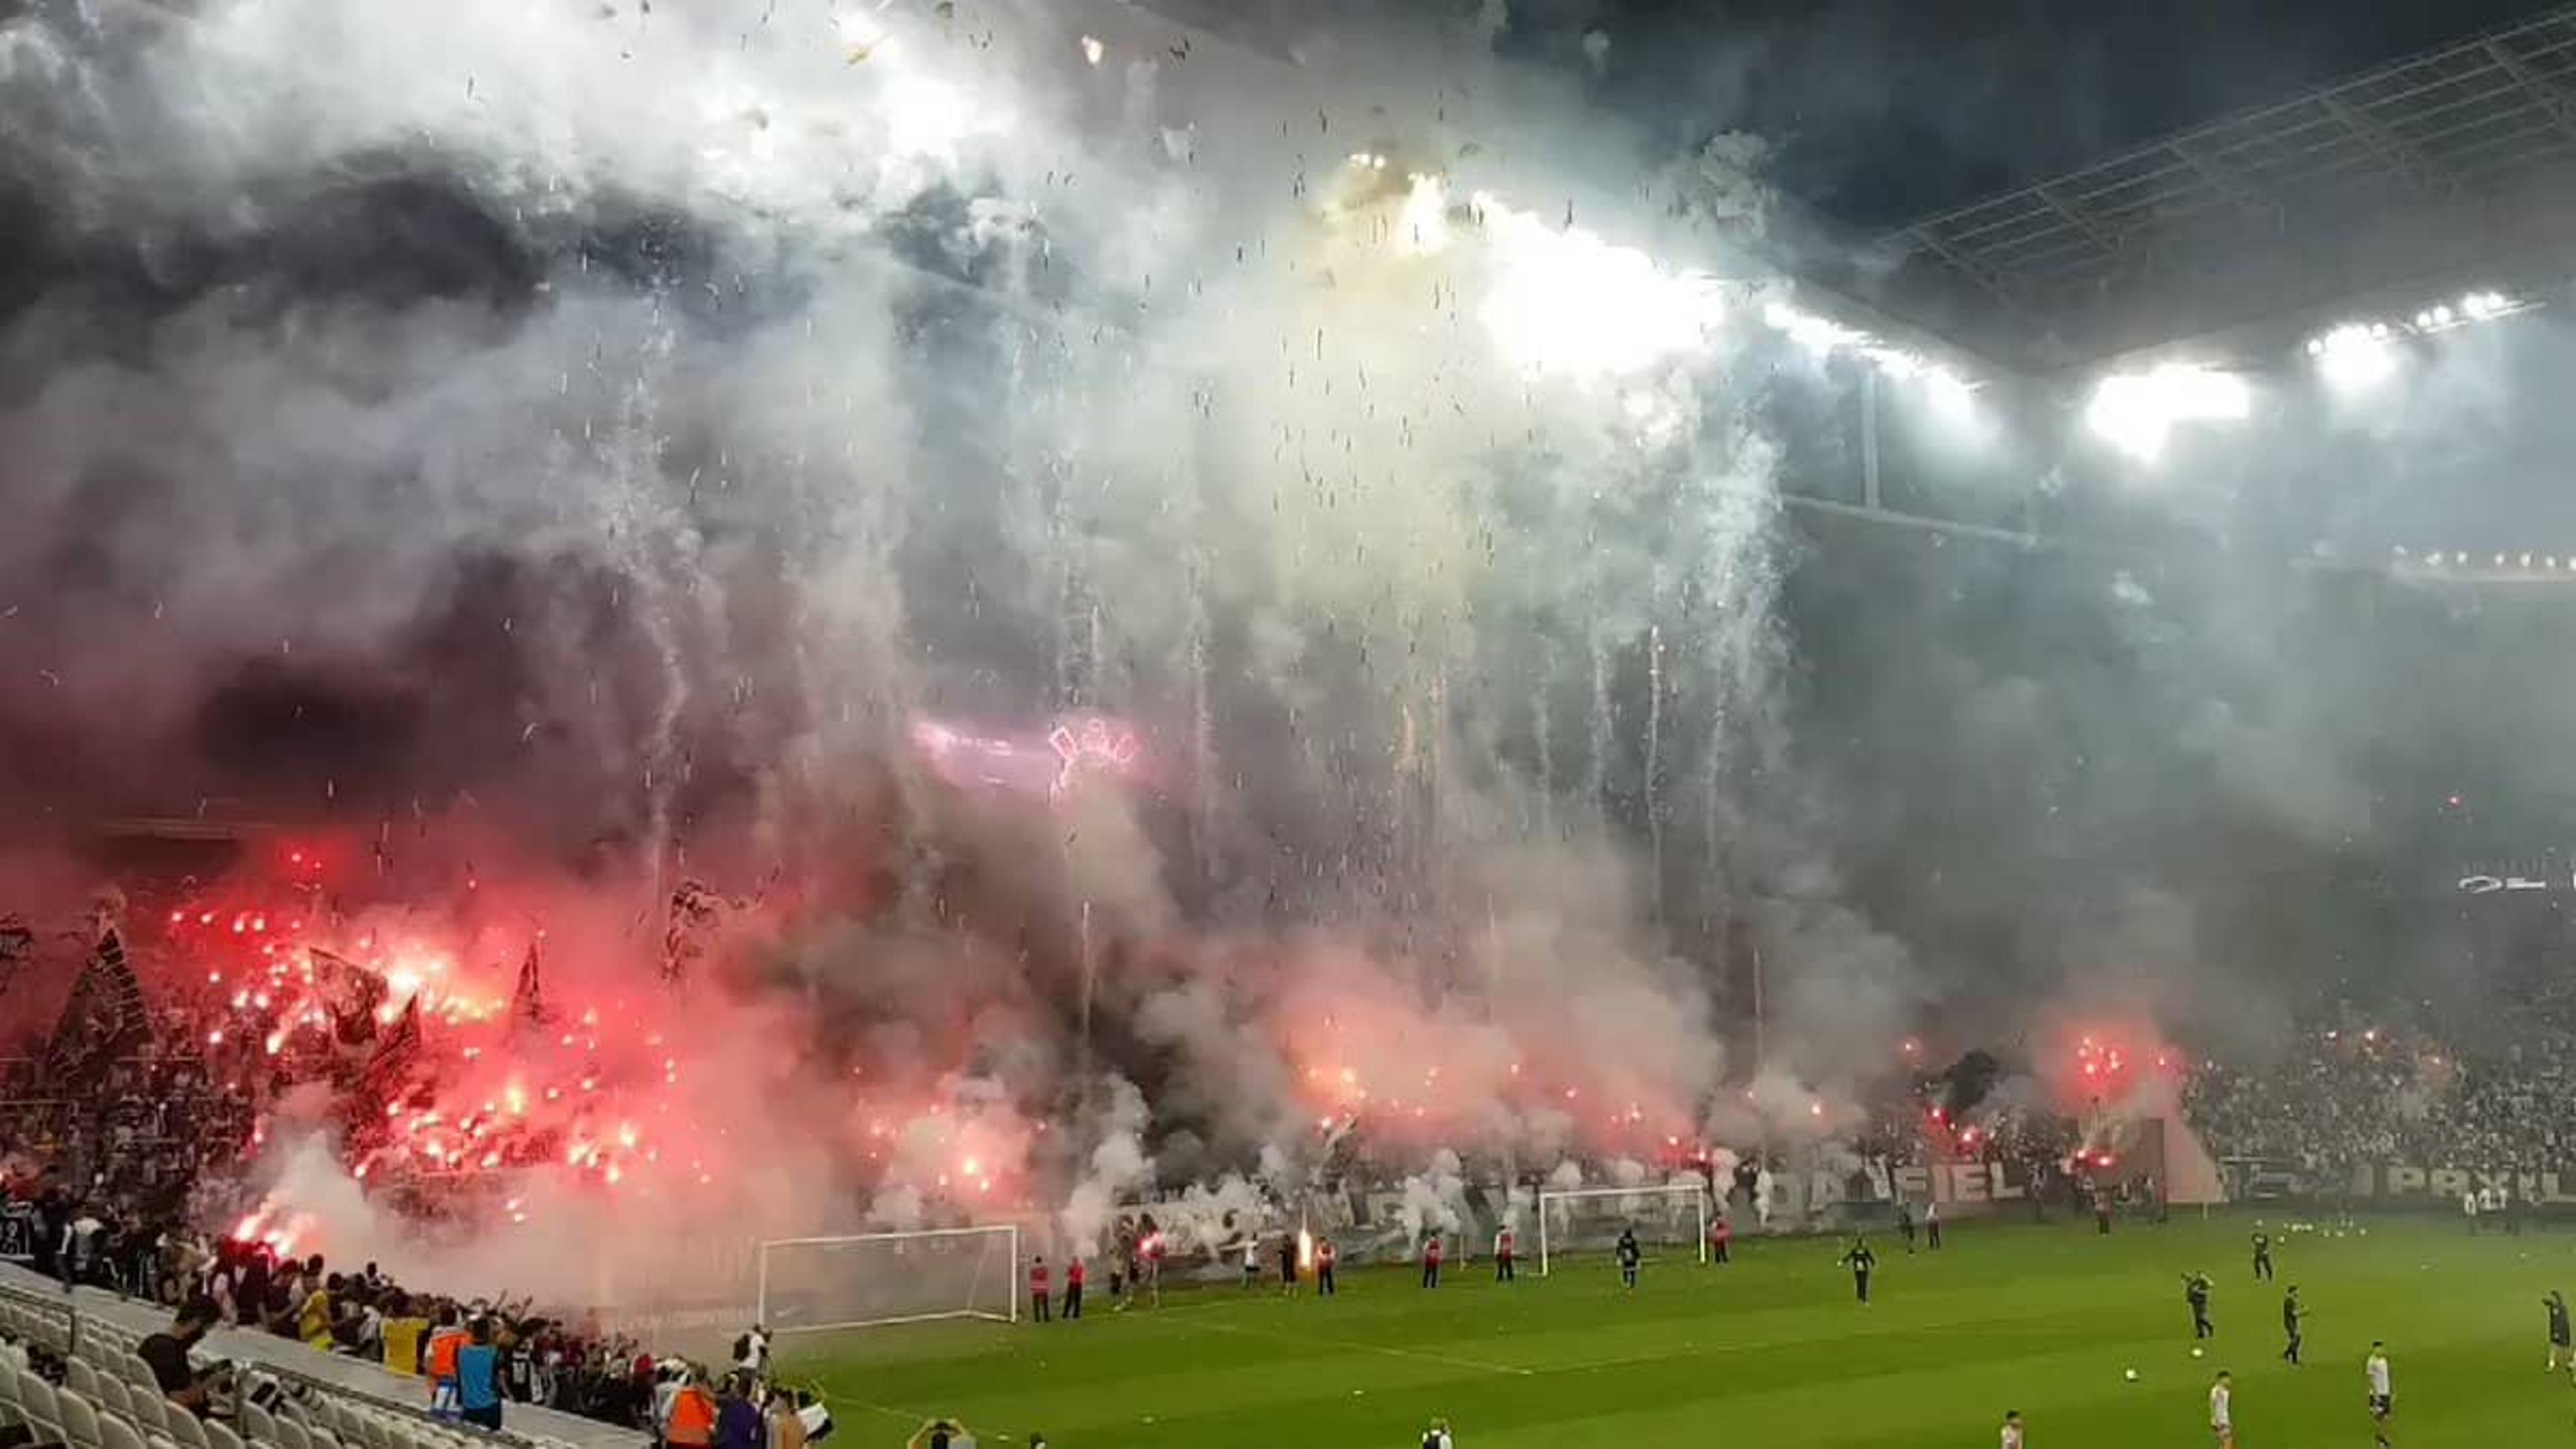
[1771, 1351]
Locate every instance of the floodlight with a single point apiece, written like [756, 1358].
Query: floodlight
[2136, 412]
[2355, 357]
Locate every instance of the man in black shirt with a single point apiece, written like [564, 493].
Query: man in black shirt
[2291, 1313]
[2559, 1355]
[166, 1354]
[2263, 1257]
[1860, 1260]
[2195, 1291]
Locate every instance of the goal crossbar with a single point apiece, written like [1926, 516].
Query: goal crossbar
[1697, 1194]
[996, 1262]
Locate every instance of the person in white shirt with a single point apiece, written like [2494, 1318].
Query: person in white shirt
[2382, 1403]
[2469, 1209]
[2012, 1430]
[2222, 1416]
[1437, 1436]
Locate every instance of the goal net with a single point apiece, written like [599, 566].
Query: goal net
[1669, 1219]
[811, 1284]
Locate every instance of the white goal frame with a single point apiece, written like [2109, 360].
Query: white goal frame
[1009, 1233]
[1699, 1205]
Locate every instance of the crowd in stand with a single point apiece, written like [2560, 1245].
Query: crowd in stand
[2495, 1094]
[492, 1353]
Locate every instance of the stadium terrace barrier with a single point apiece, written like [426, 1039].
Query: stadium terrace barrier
[331, 1375]
[2396, 1186]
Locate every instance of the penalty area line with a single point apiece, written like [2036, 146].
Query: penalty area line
[1313, 1341]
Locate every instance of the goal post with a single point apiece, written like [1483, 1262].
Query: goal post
[1589, 1219]
[809, 1285]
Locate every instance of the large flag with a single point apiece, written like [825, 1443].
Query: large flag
[104, 1016]
[696, 912]
[350, 992]
[528, 1003]
[385, 1071]
[17, 943]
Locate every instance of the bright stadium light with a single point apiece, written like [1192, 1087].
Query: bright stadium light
[2355, 357]
[2482, 306]
[2136, 412]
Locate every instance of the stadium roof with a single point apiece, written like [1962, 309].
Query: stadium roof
[2415, 174]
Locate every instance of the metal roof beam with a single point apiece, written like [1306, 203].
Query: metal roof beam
[2552, 101]
[2107, 240]
[2228, 183]
[2396, 150]
[1993, 283]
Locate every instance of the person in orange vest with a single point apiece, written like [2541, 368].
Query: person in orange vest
[444, 1341]
[1503, 1243]
[1073, 1276]
[1431, 1262]
[1039, 1287]
[693, 1416]
[1325, 1253]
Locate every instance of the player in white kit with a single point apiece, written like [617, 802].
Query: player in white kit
[2222, 1416]
[2382, 1403]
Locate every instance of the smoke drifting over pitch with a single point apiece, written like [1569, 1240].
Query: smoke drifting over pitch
[589, 446]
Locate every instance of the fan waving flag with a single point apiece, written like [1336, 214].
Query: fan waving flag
[104, 1016]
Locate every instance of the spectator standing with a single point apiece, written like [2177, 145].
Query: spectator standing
[440, 1362]
[692, 1422]
[786, 1429]
[478, 1378]
[1073, 1274]
[739, 1424]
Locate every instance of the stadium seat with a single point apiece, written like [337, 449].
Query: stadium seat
[219, 1436]
[80, 1378]
[36, 1400]
[150, 1410]
[112, 1395]
[79, 1419]
[187, 1430]
[116, 1433]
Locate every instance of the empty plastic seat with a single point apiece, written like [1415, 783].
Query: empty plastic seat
[79, 1419]
[186, 1429]
[111, 1395]
[220, 1435]
[80, 1378]
[151, 1411]
[36, 1403]
[118, 1433]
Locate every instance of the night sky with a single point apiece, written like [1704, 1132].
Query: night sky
[1886, 110]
